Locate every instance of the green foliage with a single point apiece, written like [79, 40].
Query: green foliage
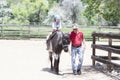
[111, 11]
[107, 9]
[30, 11]
[5, 12]
[52, 3]
[70, 12]
[20, 14]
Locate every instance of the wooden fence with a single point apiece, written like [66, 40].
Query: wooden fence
[110, 48]
[11, 31]
[21, 31]
[111, 28]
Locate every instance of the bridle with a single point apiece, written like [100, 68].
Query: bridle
[64, 45]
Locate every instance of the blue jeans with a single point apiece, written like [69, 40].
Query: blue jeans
[76, 54]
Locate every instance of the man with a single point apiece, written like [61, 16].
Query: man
[77, 48]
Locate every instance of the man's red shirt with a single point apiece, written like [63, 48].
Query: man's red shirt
[76, 38]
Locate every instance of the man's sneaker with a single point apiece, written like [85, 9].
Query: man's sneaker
[79, 72]
[74, 72]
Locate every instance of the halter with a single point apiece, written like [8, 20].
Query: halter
[64, 45]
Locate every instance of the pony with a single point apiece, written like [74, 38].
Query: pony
[60, 41]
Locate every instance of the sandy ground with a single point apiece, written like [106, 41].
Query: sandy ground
[28, 60]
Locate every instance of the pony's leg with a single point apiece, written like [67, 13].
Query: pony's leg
[56, 64]
[48, 40]
[51, 59]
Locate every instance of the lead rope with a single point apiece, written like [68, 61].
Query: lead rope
[69, 50]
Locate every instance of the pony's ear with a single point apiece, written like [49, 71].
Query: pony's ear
[66, 35]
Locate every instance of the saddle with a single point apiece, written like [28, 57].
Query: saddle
[48, 42]
[53, 34]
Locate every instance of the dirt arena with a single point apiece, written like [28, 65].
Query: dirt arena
[28, 60]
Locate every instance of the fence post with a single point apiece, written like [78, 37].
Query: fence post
[1, 31]
[29, 32]
[20, 32]
[93, 53]
[109, 55]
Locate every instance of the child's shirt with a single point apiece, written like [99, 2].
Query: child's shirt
[56, 25]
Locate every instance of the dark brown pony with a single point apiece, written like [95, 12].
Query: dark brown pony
[59, 42]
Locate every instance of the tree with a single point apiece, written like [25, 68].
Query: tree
[52, 3]
[27, 11]
[70, 12]
[72, 8]
[110, 10]
[107, 9]
[5, 12]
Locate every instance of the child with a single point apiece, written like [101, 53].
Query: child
[56, 25]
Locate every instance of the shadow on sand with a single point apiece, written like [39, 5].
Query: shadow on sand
[85, 70]
[51, 71]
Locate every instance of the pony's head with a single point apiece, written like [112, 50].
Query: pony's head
[65, 41]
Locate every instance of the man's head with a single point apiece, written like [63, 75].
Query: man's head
[75, 27]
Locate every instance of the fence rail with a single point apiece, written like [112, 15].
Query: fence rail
[12, 31]
[110, 48]
[111, 28]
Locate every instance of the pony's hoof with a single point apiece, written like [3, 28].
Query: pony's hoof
[57, 73]
[52, 69]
